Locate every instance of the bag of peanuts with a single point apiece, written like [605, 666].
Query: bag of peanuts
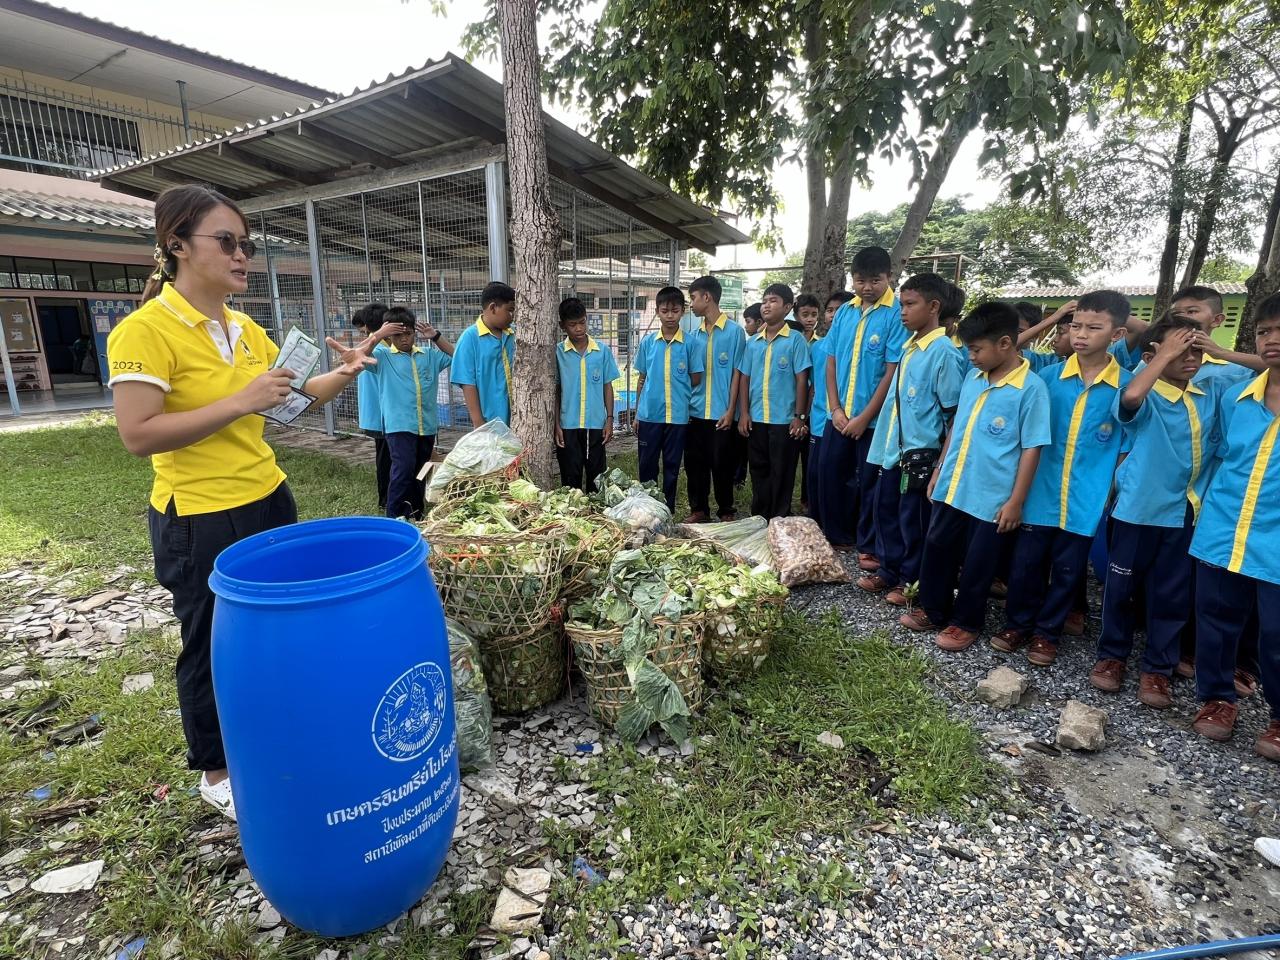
[801, 554]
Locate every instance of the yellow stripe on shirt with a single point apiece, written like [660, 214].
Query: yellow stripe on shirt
[853, 365]
[417, 388]
[1069, 456]
[1193, 421]
[1250, 503]
[582, 391]
[768, 362]
[963, 455]
[666, 376]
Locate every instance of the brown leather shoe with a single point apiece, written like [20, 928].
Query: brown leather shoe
[953, 639]
[1186, 669]
[697, 517]
[728, 517]
[1009, 640]
[1074, 625]
[1153, 690]
[868, 562]
[1108, 675]
[1042, 653]
[917, 620]
[1216, 720]
[999, 589]
[896, 597]
[1268, 744]
[1246, 684]
[873, 583]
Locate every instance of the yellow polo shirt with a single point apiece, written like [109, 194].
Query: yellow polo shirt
[168, 343]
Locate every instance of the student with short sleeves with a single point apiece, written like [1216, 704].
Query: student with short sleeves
[485, 355]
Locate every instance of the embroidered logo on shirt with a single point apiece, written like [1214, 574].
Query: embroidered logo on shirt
[723, 358]
[996, 426]
[911, 393]
[1105, 432]
[595, 376]
[875, 338]
[783, 363]
[680, 365]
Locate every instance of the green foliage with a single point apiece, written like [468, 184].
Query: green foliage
[791, 277]
[1224, 269]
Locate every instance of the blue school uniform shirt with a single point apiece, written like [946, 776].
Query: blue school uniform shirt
[994, 424]
[818, 416]
[368, 408]
[484, 360]
[1241, 511]
[772, 366]
[1129, 359]
[922, 398]
[668, 369]
[1073, 482]
[583, 377]
[721, 352]
[1226, 371]
[1170, 439]
[1041, 359]
[865, 338]
[407, 383]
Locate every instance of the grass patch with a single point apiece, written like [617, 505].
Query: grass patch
[759, 778]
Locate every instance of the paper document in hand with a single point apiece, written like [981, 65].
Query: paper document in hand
[289, 409]
[300, 354]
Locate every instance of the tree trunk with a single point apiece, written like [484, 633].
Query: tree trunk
[1265, 280]
[815, 172]
[1228, 143]
[824, 255]
[535, 241]
[935, 173]
[1177, 208]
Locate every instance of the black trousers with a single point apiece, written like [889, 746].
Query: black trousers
[1233, 610]
[960, 555]
[409, 454]
[772, 454]
[581, 458]
[661, 442]
[847, 486]
[710, 461]
[184, 550]
[902, 520]
[1046, 572]
[381, 464]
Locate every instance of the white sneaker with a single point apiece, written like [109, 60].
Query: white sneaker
[219, 794]
[1269, 847]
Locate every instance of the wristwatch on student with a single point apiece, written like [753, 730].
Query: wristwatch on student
[436, 337]
[802, 417]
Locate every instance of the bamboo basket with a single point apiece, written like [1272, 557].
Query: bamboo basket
[739, 654]
[677, 653]
[583, 573]
[461, 487]
[526, 671]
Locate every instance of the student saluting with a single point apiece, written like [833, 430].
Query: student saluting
[189, 375]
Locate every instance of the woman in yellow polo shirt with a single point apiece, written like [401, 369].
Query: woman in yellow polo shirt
[188, 376]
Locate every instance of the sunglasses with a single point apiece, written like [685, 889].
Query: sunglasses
[229, 244]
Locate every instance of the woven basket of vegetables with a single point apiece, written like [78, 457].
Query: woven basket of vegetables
[737, 638]
[495, 480]
[526, 671]
[595, 542]
[675, 648]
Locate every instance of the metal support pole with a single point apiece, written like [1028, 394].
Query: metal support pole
[317, 298]
[186, 113]
[9, 383]
[422, 239]
[368, 264]
[273, 280]
[575, 242]
[673, 267]
[495, 194]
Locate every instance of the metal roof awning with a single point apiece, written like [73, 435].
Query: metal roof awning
[33, 200]
[1143, 290]
[390, 131]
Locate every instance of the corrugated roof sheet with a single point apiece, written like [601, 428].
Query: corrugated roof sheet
[1053, 293]
[441, 108]
[24, 205]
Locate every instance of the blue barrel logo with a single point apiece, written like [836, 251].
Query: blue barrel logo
[411, 713]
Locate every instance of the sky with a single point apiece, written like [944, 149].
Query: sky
[359, 43]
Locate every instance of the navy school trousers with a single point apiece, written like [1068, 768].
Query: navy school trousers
[960, 556]
[1047, 572]
[847, 490]
[902, 521]
[1227, 606]
[665, 442]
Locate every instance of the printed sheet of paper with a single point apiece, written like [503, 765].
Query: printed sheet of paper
[300, 354]
[289, 409]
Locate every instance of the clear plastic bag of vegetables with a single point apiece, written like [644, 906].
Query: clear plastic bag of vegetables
[472, 709]
[643, 517]
[746, 540]
[487, 456]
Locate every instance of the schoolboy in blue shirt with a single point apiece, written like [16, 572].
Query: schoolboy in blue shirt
[808, 313]
[1204, 306]
[368, 321]
[818, 415]
[867, 338]
[586, 370]
[408, 376]
[772, 402]
[486, 354]
[1072, 483]
[980, 487]
[1237, 547]
[1169, 422]
[710, 445]
[669, 369]
[910, 434]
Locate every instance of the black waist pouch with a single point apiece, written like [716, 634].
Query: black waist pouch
[917, 468]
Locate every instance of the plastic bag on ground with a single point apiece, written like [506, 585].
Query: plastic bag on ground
[801, 554]
[746, 540]
[483, 450]
[639, 513]
[472, 709]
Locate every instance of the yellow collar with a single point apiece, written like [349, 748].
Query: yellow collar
[568, 346]
[783, 331]
[484, 331]
[918, 342]
[1209, 359]
[184, 311]
[394, 349]
[1172, 393]
[955, 338]
[886, 299]
[1257, 389]
[814, 339]
[719, 324]
[1017, 378]
[1110, 373]
[678, 338]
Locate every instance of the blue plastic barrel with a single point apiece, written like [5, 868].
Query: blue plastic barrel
[331, 672]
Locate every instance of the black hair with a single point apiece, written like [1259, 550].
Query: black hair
[871, 262]
[1268, 309]
[369, 317]
[841, 297]
[990, 321]
[709, 285]
[1030, 313]
[669, 295]
[401, 315]
[496, 292]
[1154, 335]
[752, 312]
[1113, 304]
[571, 308]
[807, 300]
[953, 306]
[780, 290]
[1208, 294]
[931, 287]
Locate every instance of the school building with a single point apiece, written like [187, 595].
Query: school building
[78, 94]
[398, 193]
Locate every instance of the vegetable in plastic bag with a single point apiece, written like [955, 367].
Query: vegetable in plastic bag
[747, 540]
[640, 513]
[483, 450]
[802, 554]
[472, 710]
